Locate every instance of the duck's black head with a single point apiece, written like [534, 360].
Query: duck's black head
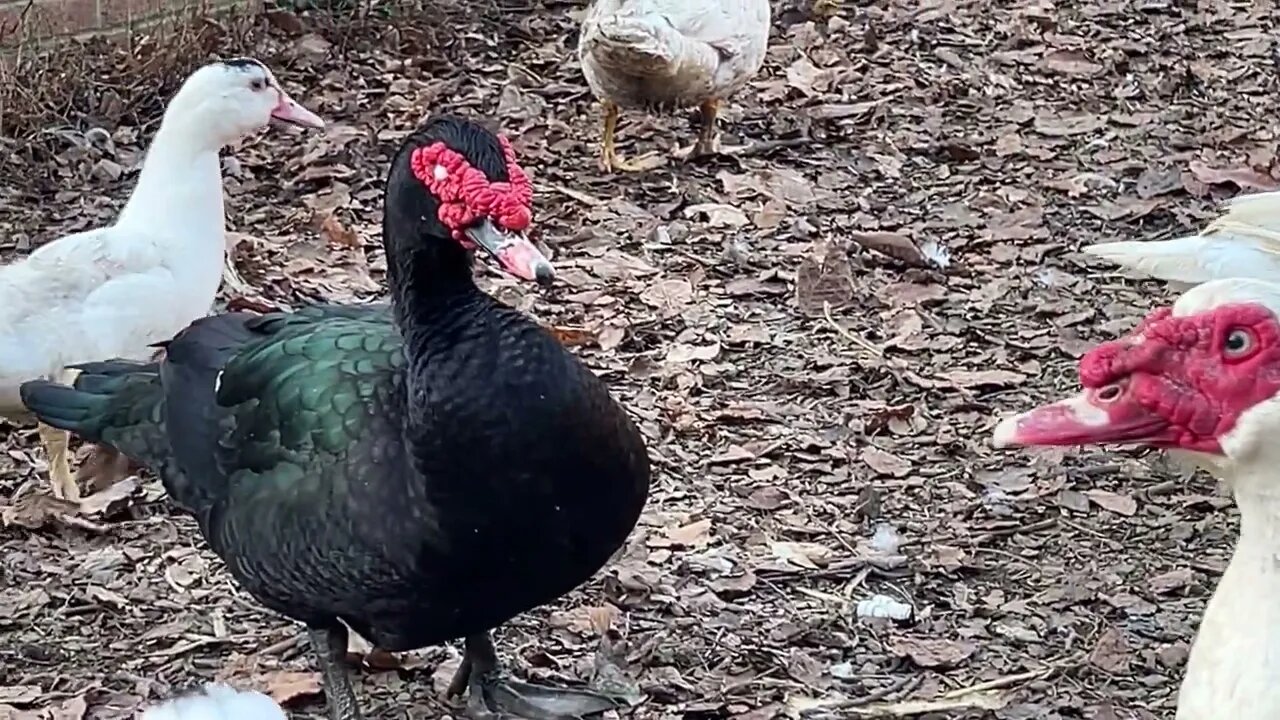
[454, 186]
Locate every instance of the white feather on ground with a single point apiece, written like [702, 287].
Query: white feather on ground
[218, 702]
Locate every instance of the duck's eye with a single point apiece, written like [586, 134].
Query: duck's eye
[1238, 343]
[258, 84]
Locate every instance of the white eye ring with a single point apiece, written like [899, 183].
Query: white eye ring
[440, 172]
[1239, 342]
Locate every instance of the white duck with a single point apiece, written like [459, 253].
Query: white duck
[217, 702]
[1203, 380]
[113, 291]
[1242, 242]
[645, 53]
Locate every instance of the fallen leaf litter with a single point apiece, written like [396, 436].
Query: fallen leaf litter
[816, 344]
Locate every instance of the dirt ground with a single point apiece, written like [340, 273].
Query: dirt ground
[817, 342]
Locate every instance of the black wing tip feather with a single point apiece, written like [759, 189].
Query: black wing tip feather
[114, 367]
[205, 341]
[56, 404]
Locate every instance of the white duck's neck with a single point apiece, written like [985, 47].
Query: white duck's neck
[180, 187]
[1234, 667]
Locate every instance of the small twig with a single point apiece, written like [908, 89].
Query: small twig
[1001, 682]
[281, 647]
[186, 647]
[581, 197]
[847, 335]
[764, 147]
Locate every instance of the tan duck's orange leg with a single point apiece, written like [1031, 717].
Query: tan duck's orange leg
[609, 158]
[708, 138]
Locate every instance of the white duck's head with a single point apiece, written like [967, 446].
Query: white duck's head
[227, 100]
[217, 702]
[1201, 378]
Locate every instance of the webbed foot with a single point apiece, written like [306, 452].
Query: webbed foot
[492, 695]
[330, 648]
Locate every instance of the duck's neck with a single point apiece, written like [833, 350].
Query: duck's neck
[179, 189]
[1234, 667]
[432, 289]
[1259, 524]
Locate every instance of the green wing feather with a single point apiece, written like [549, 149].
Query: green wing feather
[313, 410]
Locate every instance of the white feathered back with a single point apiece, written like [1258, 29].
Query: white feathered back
[218, 702]
[1243, 242]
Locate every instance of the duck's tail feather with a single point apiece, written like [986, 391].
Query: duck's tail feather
[635, 45]
[1243, 242]
[217, 702]
[118, 403]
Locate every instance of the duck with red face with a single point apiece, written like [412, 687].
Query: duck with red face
[1200, 379]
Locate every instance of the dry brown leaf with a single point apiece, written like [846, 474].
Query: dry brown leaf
[692, 535]
[602, 618]
[288, 686]
[1244, 178]
[670, 296]
[1111, 652]
[896, 246]
[571, 337]
[36, 510]
[885, 463]
[112, 500]
[979, 378]
[20, 694]
[335, 233]
[1173, 580]
[933, 652]
[1115, 502]
[825, 282]
[1070, 62]
[1066, 124]
[806, 555]
[680, 353]
[808, 78]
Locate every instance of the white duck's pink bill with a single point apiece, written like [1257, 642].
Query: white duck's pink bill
[288, 110]
[1085, 419]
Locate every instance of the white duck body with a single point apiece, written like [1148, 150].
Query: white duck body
[1233, 670]
[217, 702]
[641, 53]
[1243, 242]
[113, 291]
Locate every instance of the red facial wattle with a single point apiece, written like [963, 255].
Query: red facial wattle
[466, 195]
[1175, 382]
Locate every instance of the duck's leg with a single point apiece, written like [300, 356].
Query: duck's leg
[55, 444]
[708, 138]
[609, 158]
[329, 645]
[491, 694]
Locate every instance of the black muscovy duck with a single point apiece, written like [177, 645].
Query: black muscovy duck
[417, 474]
